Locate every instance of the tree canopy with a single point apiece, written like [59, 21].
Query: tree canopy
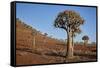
[69, 19]
[85, 37]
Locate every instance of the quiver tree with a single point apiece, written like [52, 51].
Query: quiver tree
[85, 38]
[70, 21]
[33, 39]
[45, 34]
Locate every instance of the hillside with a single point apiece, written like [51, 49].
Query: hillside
[24, 42]
[47, 50]
[25, 37]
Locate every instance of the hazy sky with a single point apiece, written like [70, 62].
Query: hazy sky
[42, 17]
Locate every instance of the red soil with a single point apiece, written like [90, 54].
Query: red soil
[45, 52]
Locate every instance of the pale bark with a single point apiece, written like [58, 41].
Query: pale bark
[73, 44]
[33, 43]
[85, 42]
[69, 45]
[44, 41]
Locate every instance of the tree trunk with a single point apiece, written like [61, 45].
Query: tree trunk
[33, 43]
[69, 46]
[85, 42]
[73, 44]
[44, 41]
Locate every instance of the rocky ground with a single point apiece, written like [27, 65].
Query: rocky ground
[28, 56]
